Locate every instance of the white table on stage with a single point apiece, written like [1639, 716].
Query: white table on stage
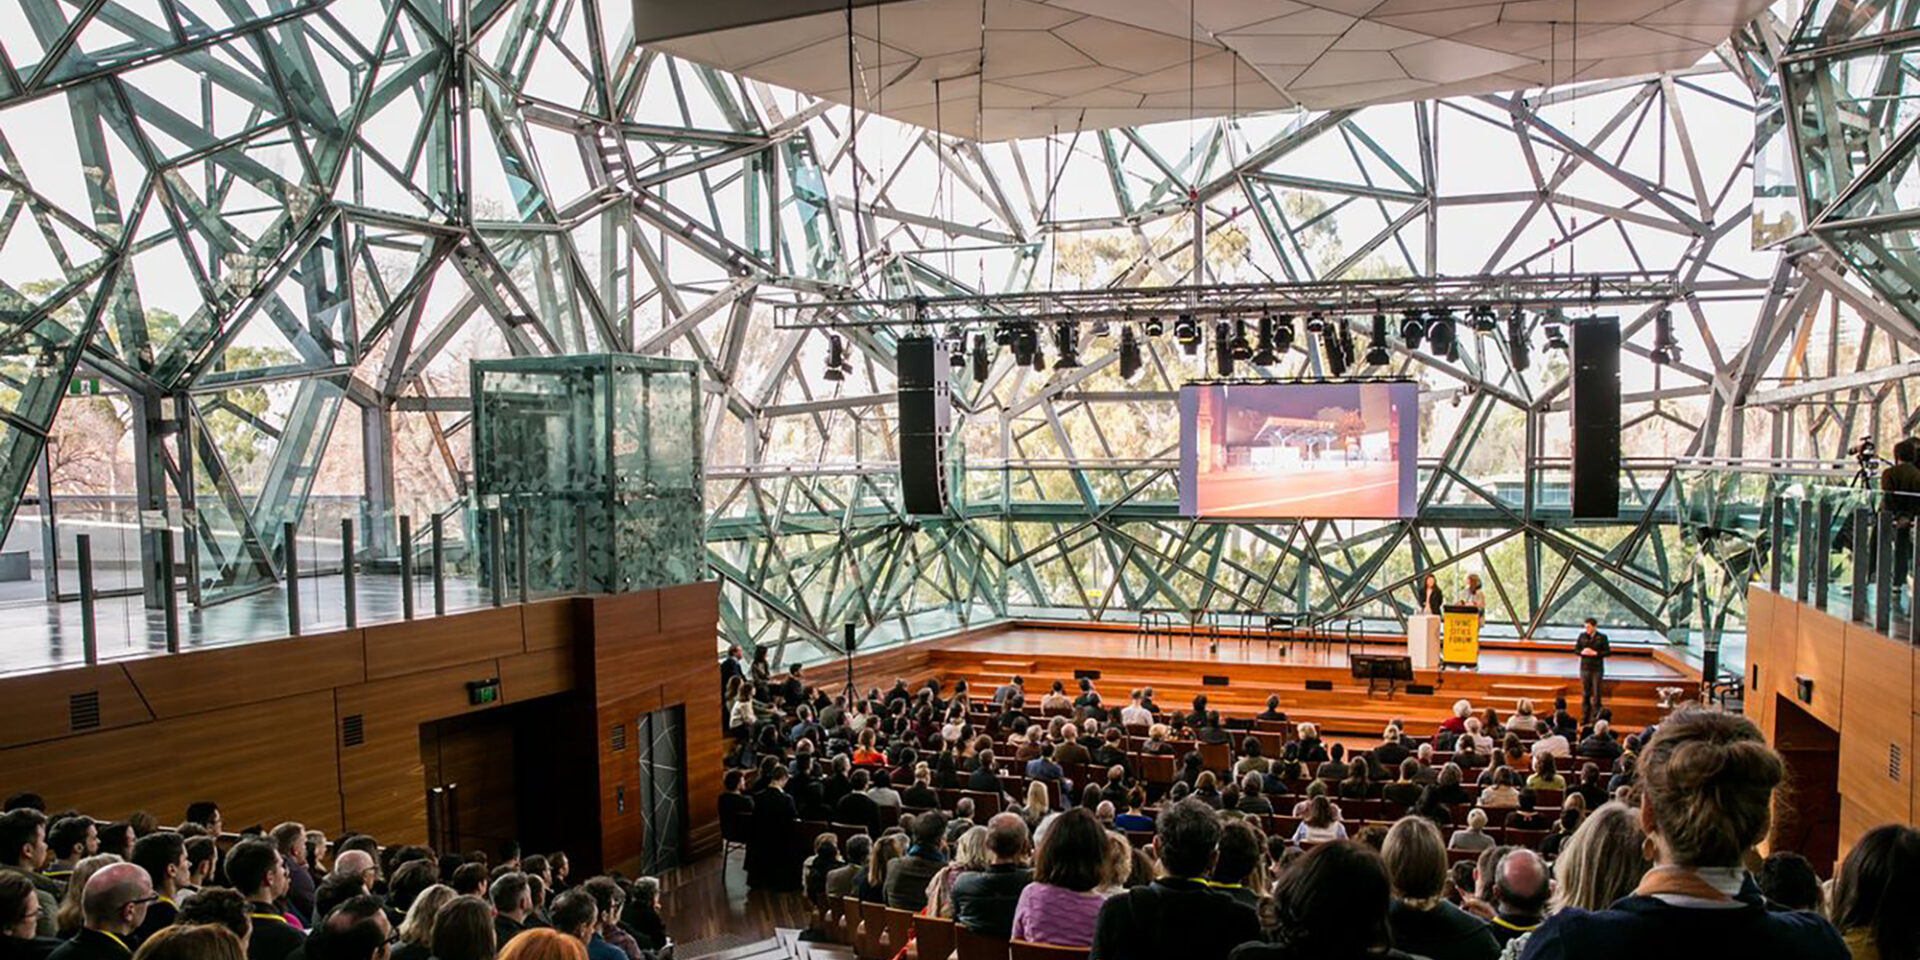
[1423, 641]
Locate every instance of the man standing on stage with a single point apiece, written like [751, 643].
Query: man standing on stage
[1593, 649]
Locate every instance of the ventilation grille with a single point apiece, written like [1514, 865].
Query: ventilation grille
[83, 710]
[1895, 760]
[353, 730]
[619, 738]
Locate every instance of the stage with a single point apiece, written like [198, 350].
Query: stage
[1313, 678]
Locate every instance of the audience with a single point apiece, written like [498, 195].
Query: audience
[1224, 871]
[1176, 915]
[1708, 781]
[1330, 904]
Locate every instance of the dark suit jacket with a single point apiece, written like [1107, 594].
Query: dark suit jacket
[160, 915]
[93, 945]
[504, 929]
[273, 938]
[984, 900]
[38, 948]
[858, 808]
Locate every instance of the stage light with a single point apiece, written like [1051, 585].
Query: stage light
[1412, 328]
[1154, 327]
[982, 359]
[1130, 360]
[1332, 350]
[1283, 334]
[1265, 356]
[1066, 344]
[1316, 323]
[1556, 338]
[1242, 349]
[956, 347]
[837, 364]
[1440, 333]
[1377, 355]
[1666, 349]
[1186, 331]
[1223, 348]
[1483, 320]
[1025, 341]
[1348, 351]
[1005, 332]
[1517, 347]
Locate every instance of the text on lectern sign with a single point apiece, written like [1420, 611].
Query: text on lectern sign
[1460, 636]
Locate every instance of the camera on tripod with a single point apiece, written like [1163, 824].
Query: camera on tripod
[1865, 451]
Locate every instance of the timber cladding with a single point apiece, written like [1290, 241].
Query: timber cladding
[325, 729]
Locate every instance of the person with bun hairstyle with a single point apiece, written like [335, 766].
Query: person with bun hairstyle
[1707, 793]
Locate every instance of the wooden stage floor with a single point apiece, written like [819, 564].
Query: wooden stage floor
[1630, 664]
[1313, 680]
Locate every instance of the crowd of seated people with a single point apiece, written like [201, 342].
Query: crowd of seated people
[73, 888]
[1138, 831]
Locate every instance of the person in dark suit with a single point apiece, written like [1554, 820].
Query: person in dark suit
[512, 899]
[773, 850]
[255, 869]
[1593, 648]
[731, 667]
[983, 778]
[115, 904]
[163, 854]
[1431, 599]
[856, 807]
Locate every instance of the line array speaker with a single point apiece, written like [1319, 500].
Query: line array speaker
[1594, 408]
[925, 414]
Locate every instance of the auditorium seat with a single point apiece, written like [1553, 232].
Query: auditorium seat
[1022, 950]
[985, 804]
[968, 945]
[1524, 838]
[934, 937]
[896, 924]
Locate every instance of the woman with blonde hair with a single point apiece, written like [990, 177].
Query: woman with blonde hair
[543, 943]
[1421, 919]
[969, 853]
[204, 941]
[1119, 865]
[1039, 803]
[1523, 720]
[416, 931]
[70, 917]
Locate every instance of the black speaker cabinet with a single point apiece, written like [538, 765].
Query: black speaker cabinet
[925, 412]
[1595, 410]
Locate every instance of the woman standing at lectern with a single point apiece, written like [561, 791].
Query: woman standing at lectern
[1431, 599]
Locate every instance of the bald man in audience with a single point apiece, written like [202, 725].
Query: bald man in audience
[357, 862]
[1520, 891]
[115, 904]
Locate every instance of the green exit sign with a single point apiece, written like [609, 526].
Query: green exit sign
[483, 692]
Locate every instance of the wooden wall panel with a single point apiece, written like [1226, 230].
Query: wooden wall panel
[1819, 654]
[263, 762]
[1757, 691]
[1876, 726]
[383, 781]
[536, 673]
[549, 624]
[35, 707]
[395, 649]
[248, 673]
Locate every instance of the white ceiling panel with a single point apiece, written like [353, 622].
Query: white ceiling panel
[1085, 64]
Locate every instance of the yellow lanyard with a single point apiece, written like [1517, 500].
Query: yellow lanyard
[122, 943]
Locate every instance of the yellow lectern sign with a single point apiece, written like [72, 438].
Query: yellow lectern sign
[1460, 636]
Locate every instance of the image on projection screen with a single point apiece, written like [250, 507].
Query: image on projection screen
[1283, 450]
